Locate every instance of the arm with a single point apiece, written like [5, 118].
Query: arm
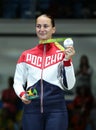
[69, 75]
[20, 78]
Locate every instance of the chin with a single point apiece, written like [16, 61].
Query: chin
[43, 38]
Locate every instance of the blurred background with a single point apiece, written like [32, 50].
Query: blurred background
[75, 19]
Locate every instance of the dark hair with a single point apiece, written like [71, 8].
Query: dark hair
[50, 17]
[84, 61]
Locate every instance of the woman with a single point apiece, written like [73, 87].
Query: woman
[48, 69]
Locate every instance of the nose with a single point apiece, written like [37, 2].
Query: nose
[42, 28]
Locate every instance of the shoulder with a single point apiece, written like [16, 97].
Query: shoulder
[24, 54]
[28, 51]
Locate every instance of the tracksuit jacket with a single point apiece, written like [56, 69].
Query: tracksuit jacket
[44, 68]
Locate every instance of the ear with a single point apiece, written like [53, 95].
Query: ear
[54, 30]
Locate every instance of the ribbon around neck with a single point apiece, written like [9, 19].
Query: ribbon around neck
[52, 40]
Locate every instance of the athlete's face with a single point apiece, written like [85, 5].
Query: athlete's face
[44, 28]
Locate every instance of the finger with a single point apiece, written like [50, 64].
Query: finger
[26, 102]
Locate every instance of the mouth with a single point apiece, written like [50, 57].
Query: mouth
[42, 34]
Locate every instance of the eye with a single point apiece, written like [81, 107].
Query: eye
[38, 26]
[46, 26]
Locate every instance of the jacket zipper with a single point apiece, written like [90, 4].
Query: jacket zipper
[43, 63]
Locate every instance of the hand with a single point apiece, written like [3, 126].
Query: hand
[25, 100]
[69, 52]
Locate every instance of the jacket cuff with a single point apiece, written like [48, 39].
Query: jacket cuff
[67, 63]
[22, 93]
